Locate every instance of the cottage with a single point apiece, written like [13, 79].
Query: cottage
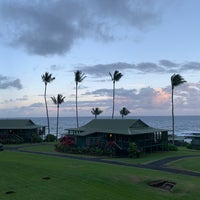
[195, 140]
[19, 130]
[119, 133]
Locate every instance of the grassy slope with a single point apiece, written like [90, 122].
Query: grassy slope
[192, 164]
[73, 179]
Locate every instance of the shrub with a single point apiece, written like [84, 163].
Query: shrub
[50, 138]
[172, 147]
[67, 140]
[189, 146]
[133, 150]
[36, 138]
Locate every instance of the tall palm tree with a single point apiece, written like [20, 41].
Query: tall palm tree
[79, 76]
[176, 80]
[124, 111]
[47, 78]
[58, 100]
[115, 77]
[96, 111]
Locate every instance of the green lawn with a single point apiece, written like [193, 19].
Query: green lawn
[23, 173]
[192, 164]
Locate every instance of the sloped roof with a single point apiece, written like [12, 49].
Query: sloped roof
[18, 124]
[115, 126]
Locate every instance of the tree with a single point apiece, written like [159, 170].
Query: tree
[96, 111]
[115, 77]
[58, 100]
[176, 80]
[124, 111]
[79, 77]
[47, 78]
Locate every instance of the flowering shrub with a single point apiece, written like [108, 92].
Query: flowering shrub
[67, 140]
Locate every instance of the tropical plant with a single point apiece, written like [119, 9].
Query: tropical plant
[133, 150]
[124, 111]
[79, 77]
[176, 79]
[115, 77]
[50, 138]
[47, 78]
[58, 100]
[96, 111]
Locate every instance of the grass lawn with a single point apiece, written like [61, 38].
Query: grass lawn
[192, 164]
[29, 176]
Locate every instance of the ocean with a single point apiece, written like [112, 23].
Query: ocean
[184, 125]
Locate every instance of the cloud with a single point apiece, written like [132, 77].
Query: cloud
[52, 27]
[148, 100]
[56, 68]
[191, 66]
[36, 105]
[144, 101]
[24, 98]
[163, 66]
[6, 82]
[168, 63]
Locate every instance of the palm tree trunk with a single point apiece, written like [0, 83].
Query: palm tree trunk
[113, 109]
[47, 113]
[77, 124]
[57, 122]
[172, 115]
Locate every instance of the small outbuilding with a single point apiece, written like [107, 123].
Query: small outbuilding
[195, 140]
[19, 130]
[120, 133]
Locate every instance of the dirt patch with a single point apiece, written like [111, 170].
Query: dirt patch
[163, 184]
[136, 179]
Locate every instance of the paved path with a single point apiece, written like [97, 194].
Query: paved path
[156, 165]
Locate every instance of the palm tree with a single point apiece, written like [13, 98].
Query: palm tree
[47, 78]
[176, 80]
[79, 76]
[96, 111]
[124, 111]
[115, 77]
[58, 100]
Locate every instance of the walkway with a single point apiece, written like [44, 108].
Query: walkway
[157, 165]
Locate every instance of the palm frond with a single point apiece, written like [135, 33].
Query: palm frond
[117, 75]
[177, 79]
[54, 100]
[111, 76]
[96, 111]
[124, 111]
[58, 100]
[47, 77]
[79, 76]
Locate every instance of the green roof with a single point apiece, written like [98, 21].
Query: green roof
[18, 124]
[115, 126]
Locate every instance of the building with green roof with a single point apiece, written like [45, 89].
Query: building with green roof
[19, 130]
[120, 133]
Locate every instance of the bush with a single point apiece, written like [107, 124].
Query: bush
[133, 150]
[189, 146]
[86, 151]
[50, 138]
[67, 140]
[172, 147]
[36, 138]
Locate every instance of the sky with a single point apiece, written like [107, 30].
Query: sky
[146, 40]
